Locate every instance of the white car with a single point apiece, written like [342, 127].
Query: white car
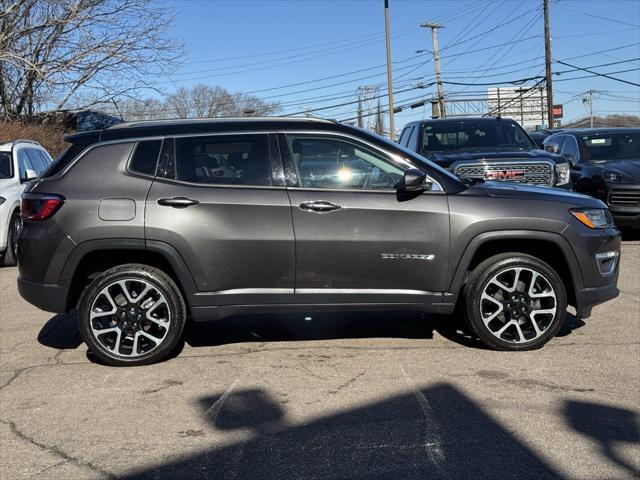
[20, 161]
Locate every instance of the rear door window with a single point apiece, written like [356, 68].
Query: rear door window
[224, 160]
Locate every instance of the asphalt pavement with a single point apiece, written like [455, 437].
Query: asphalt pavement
[384, 396]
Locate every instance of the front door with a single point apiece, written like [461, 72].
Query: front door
[356, 241]
[218, 200]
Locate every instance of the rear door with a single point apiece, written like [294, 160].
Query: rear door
[356, 240]
[220, 201]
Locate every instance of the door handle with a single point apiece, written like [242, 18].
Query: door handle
[319, 206]
[177, 202]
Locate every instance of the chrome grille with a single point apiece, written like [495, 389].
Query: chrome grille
[624, 197]
[534, 173]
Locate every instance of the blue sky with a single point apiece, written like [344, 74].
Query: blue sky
[287, 50]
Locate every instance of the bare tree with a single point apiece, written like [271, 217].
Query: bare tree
[206, 101]
[52, 51]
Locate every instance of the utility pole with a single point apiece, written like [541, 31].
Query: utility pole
[436, 58]
[547, 61]
[392, 131]
[589, 100]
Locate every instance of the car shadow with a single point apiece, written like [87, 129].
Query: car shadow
[61, 332]
[328, 326]
[335, 325]
[607, 426]
[629, 235]
[426, 432]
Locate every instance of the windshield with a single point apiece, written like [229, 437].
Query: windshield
[602, 147]
[412, 156]
[6, 167]
[474, 136]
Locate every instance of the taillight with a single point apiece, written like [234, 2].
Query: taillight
[36, 206]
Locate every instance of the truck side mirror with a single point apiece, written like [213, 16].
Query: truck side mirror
[29, 175]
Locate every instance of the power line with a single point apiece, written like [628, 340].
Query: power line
[600, 74]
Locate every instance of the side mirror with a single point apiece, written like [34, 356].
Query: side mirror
[413, 181]
[29, 175]
[570, 158]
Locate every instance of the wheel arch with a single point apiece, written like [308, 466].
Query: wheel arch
[93, 257]
[549, 247]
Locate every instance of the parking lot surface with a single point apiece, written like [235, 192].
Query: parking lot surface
[335, 397]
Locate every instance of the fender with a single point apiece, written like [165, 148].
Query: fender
[458, 277]
[169, 253]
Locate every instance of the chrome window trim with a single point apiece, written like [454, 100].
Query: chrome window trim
[396, 159]
[93, 146]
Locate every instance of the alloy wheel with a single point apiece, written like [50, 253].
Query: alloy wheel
[518, 305]
[130, 317]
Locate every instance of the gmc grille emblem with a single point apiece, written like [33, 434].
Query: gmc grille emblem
[505, 174]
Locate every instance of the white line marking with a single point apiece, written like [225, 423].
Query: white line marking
[214, 409]
[432, 440]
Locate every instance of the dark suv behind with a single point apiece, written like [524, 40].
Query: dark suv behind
[142, 226]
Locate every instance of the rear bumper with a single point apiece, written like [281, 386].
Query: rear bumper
[50, 297]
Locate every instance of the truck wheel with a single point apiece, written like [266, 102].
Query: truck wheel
[514, 301]
[11, 253]
[131, 315]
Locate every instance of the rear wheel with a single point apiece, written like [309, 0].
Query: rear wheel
[132, 315]
[11, 253]
[515, 301]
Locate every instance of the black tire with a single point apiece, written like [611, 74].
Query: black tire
[135, 275]
[522, 336]
[10, 257]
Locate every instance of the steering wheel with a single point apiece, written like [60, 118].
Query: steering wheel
[368, 180]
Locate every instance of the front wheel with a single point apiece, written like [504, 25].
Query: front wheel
[515, 301]
[11, 254]
[131, 315]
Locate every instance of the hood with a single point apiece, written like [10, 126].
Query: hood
[523, 191]
[5, 182]
[628, 169]
[446, 160]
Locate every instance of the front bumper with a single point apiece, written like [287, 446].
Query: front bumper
[589, 297]
[50, 297]
[624, 204]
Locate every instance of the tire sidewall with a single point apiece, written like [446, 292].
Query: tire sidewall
[473, 299]
[159, 281]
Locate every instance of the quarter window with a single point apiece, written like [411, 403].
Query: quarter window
[338, 164]
[145, 157]
[223, 160]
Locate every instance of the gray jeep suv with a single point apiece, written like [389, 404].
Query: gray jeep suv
[144, 226]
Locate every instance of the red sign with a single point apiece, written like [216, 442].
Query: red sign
[510, 174]
[558, 111]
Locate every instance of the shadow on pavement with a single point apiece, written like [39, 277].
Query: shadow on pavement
[61, 332]
[330, 326]
[607, 426]
[325, 326]
[436, 432]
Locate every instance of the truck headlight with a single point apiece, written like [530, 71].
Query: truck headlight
[594, 218]
[563, 173]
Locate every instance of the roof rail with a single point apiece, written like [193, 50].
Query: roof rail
[21, 140]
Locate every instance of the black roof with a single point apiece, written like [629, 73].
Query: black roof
[203, 125]
[603, 131]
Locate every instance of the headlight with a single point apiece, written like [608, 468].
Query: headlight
[2, 200]
[612, 177]
[563, 173]
[596, 218]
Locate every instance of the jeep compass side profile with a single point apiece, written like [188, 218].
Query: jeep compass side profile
[144, 226]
